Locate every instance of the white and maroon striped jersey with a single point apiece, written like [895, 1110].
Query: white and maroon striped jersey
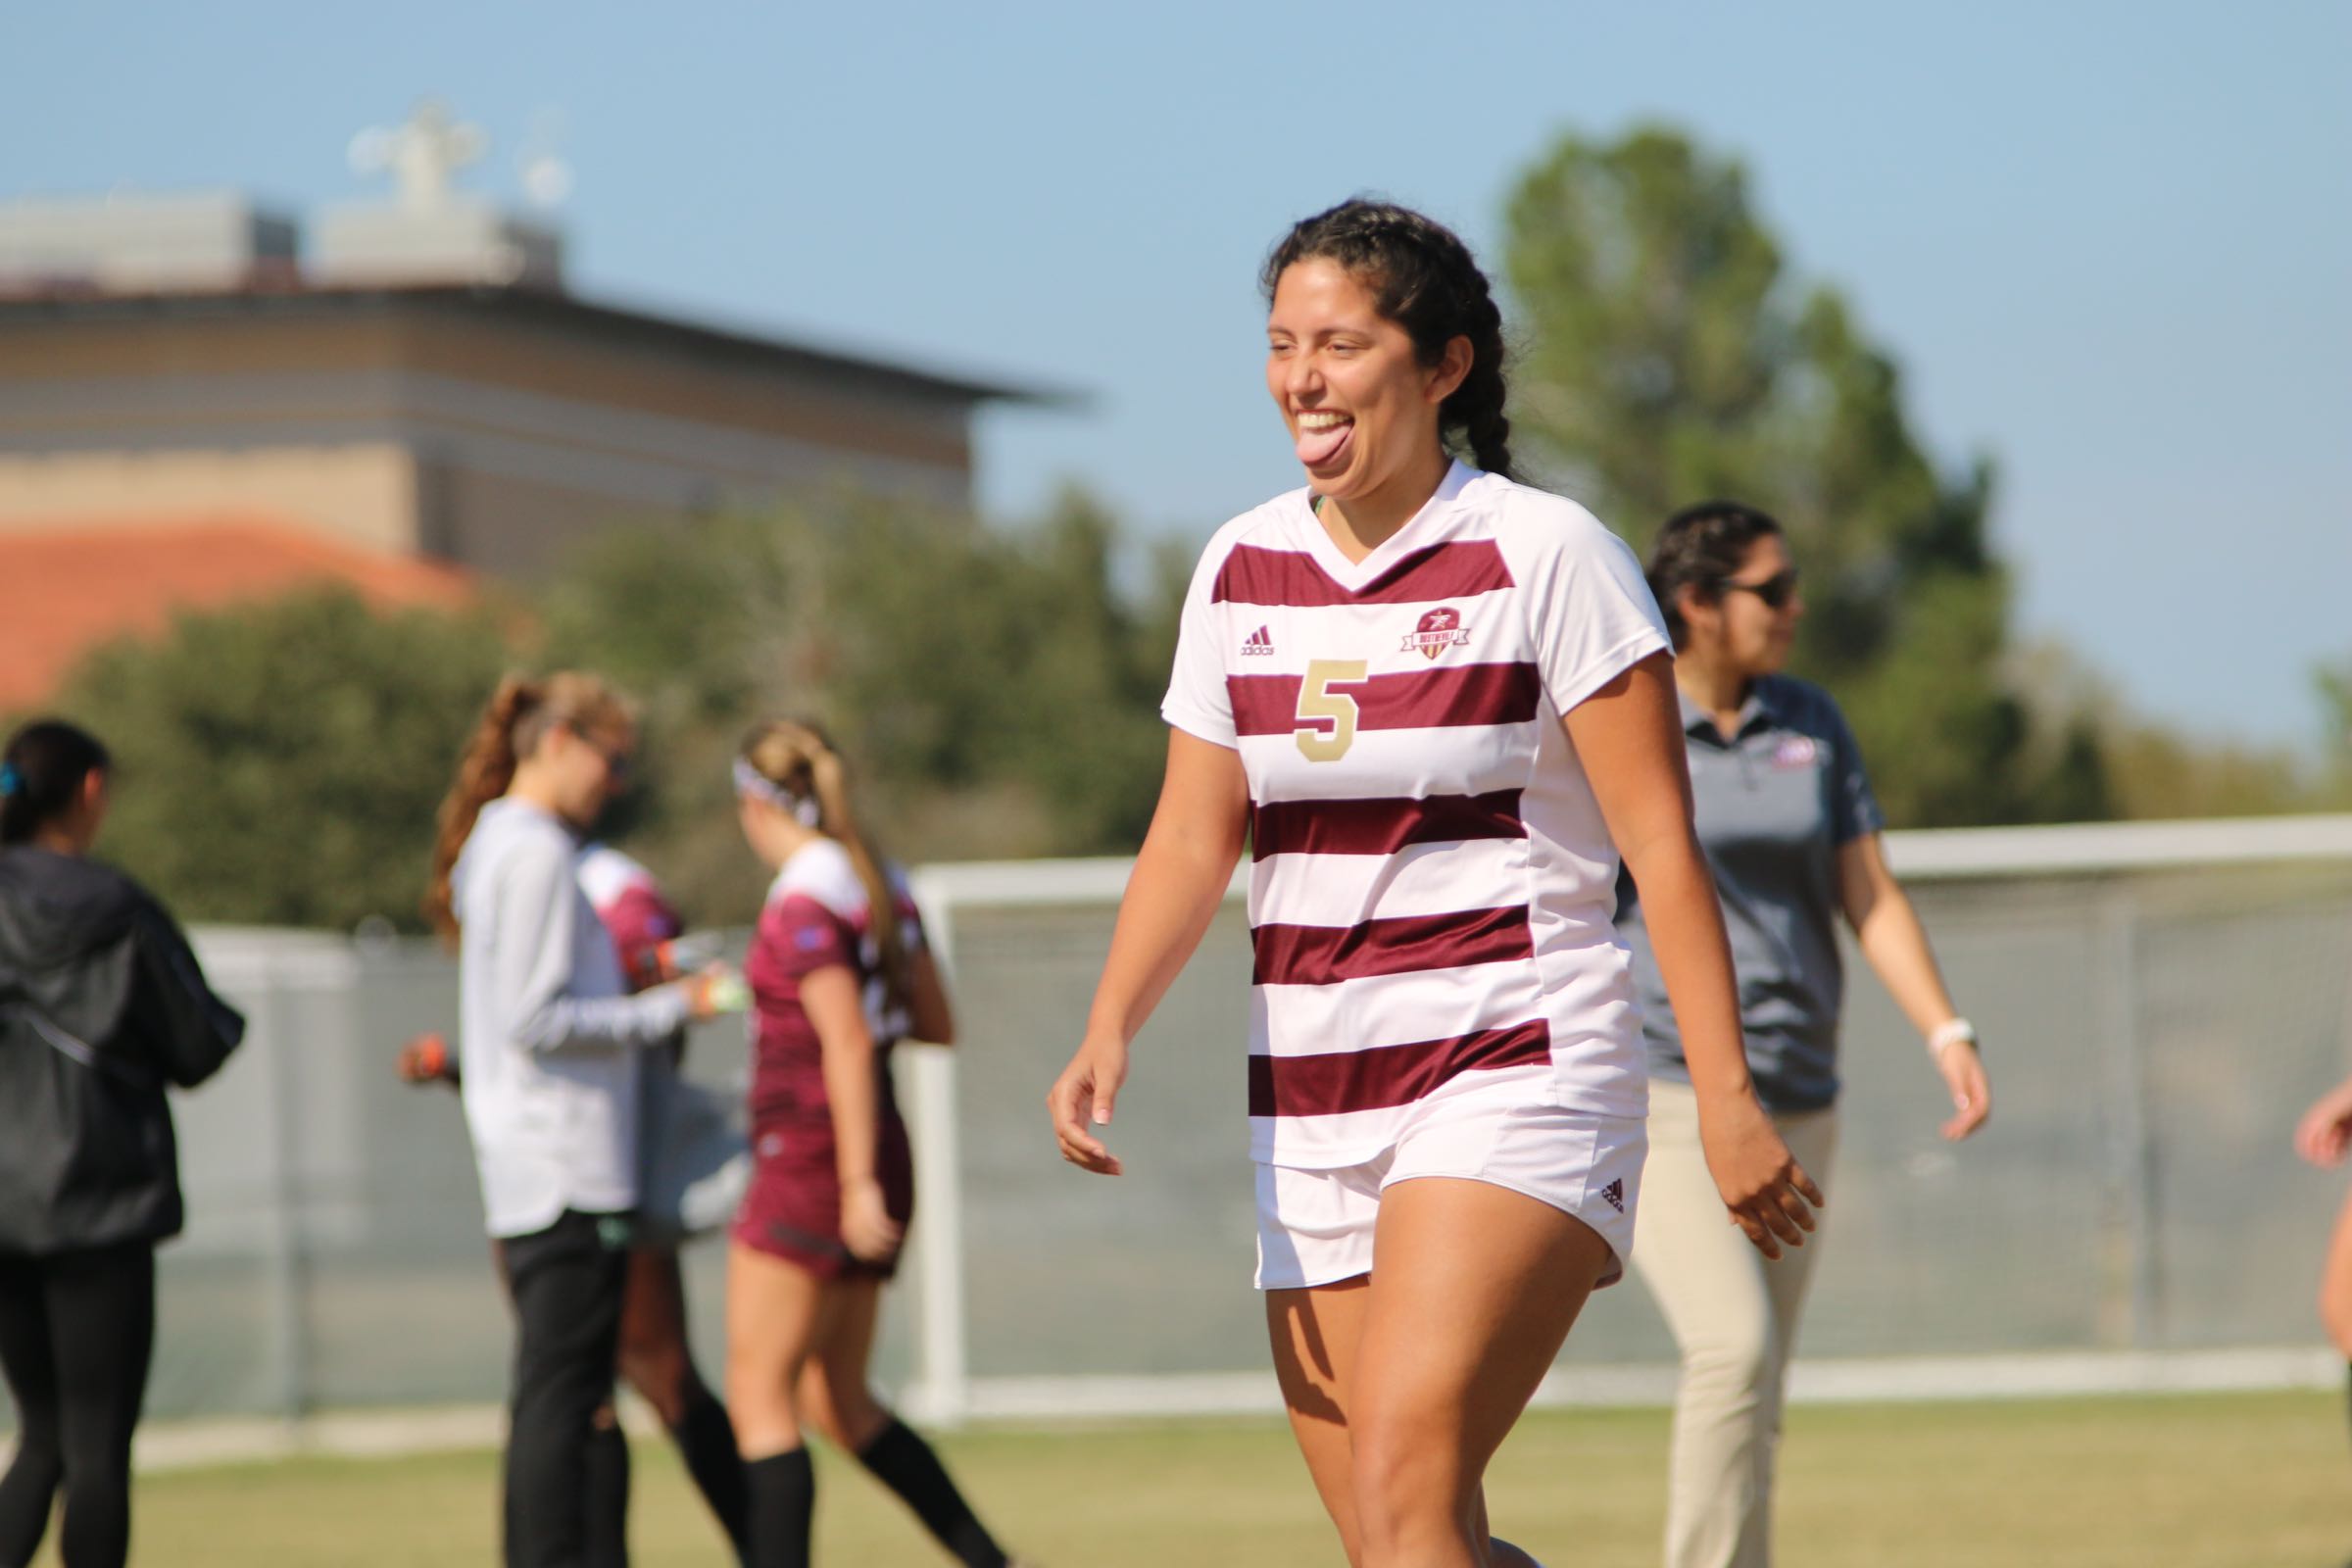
[1433, 885]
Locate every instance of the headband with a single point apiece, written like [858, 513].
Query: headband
[11, 782]
[750, 781]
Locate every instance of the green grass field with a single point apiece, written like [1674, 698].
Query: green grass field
[2225, 1480]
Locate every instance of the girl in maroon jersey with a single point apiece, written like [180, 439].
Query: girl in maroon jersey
[1439, 705]
[839, 974]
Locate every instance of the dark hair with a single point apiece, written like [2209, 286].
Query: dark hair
[1701, 548]
[41, 774]
[1425, 280]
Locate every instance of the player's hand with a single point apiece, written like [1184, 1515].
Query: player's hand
[1963, 1073]
[424, 1060]
[1769, 1194]
[866, 1228]
[713, 989]
[1082, 1098]
[2326, 1130]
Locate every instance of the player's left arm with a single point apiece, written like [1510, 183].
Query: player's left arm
[1886, 927]
[834, 998]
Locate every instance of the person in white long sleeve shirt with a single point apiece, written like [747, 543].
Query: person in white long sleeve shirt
[548, 1033]
[550, 1036]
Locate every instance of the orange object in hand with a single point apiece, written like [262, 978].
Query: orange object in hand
[424, 1058]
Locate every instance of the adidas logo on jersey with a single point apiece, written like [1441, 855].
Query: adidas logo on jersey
[1258, 641]
[1615, 1193]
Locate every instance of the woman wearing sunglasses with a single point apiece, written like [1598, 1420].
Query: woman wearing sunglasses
[1790, 829]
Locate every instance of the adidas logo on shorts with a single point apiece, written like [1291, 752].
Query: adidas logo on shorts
[1615, 1193]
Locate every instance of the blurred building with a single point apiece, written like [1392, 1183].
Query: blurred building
[417, 383]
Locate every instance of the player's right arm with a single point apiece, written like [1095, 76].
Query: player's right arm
[1179, 880]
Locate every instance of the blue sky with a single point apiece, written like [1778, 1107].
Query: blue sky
[2111, 244]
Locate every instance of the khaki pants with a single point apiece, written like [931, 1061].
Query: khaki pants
[1734, 1316]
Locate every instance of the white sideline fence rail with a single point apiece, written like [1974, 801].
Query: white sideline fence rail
[944, 1390]
[2159, 1002]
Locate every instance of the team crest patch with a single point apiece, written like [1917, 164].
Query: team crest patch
[1796, 751]
[1439, 629]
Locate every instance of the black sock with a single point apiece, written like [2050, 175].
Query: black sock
[781, 1491]
[904, 1463]
[707, 1440]
[607, 1501]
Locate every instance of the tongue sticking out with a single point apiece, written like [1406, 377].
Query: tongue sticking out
[1318, 447]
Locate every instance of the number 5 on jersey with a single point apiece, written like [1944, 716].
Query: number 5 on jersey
[1319, 706]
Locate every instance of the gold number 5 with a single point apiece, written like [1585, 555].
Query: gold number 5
[1319, 704]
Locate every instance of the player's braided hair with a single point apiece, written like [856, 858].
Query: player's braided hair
[798, 758]
[1425, 280]
[1701, 548]
[41, 774]
[519, 714]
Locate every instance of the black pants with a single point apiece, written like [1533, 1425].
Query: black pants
[76, 1332]
[567, 1284]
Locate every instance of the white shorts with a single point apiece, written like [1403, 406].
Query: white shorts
[1314, 1227]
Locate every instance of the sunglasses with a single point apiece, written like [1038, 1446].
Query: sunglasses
[1775, 590]
[618, 760]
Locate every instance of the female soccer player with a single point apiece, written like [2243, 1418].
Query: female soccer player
[1791, 830]
[101, 1006]
[656, 1358]
[550, 1039]
[839, 974]
[1438, 703]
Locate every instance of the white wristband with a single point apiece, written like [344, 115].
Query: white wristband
[1952, 1032]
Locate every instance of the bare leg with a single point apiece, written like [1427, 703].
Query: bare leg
[2335, 1283]
[772, 1312]
[835, 1396]
[1401, 1388]
[1314, 1333]
[657, 1361]
[837, 1399]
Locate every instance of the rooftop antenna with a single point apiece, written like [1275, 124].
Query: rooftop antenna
[422, 154]
[546, 174]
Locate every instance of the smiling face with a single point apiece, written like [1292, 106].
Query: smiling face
[1360, 406]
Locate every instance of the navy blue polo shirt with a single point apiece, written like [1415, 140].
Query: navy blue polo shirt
[1775, 802]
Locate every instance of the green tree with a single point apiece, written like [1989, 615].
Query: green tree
[2335, 682]
[279, 764]
[1671, 358]
[994, 691]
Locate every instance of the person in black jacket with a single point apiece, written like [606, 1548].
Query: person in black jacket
[101, 1006]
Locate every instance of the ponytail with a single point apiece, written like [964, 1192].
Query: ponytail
[484, 771]
[799, 763]
[41, 774]
[519, 714]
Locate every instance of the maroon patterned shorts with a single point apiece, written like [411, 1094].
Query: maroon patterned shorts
[792, 1209]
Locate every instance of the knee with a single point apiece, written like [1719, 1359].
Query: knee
[1408, 1490]
[660, 1373]
[1734, 1359]
[841, 1407]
